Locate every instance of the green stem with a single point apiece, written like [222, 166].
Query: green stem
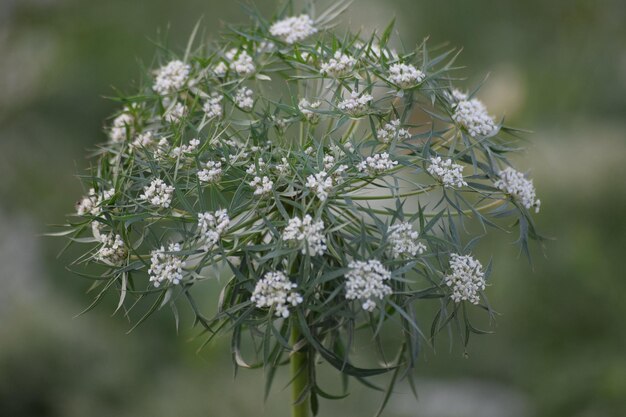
[299, 375]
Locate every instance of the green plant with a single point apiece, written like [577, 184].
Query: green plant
[324, 173]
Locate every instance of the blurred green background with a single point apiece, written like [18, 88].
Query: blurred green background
[557, 67]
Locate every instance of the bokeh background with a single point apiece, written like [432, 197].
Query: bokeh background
[556, 67]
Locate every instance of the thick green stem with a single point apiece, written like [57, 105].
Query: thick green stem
[299, 364]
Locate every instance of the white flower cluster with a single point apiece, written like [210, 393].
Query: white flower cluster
[244, 98]
[275, 290]
[293, 29]
[142, 140]
[158, 193]
[365, 281]
[405, 76]
[466, 279]
[321, 184]
[446, 172]
[213, 106]
[307, 232]
[391, 131]
[211, 227]
[338, 66]
[112, 252]
[175, 113]
[91, 203]
[455, 96]
[123, 127]
[356, 105]
[212, 173]
[307, 109]
[515, 184]
[242, 63]
[185, 149]
[262, 186]
[403, 241]
[473, 116]
[171, 77]
[377, 164]
[166, 267]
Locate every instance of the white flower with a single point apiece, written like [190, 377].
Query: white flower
[158, 193]
[212, 173]
[321, 184]
[356, 105]
[283, 167]
[473, 116]
[338, 66]
[466, 279]
[220, 69]
[243, 65]
[403, 241]
[307, 110]
[112, 252]
[185, 149]
[211, 227]
[446, 172]
[307, 232]
[244, 98]
[293, 29]
[455, 96]
[376, 164]
[171, 77]
[142, 140]
[122, 127]
[515, 184]
[92, 202]
[391, 131]
[262, 186]
[365, 281]
[275, 290]
[166, 267]
[213, 106]
[175, 113]
[405, 76]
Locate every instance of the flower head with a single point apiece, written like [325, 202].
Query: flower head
[391, 131]
[365, 281]
[294, 29]
[308, 233]
[166, 266]
[321, 184]
[158, 193]
[377, 164]
[515, 184]
[356, 105]
[262, 186]
[112, 252]
[171, 77]
[338, 66]
[446, 172]
[403, 241]
[275, 290]
[212, 173]
[473, 116]
[211, 226]
[405, 76]
[466, 278]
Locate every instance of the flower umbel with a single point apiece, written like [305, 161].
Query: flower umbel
[515, 184]
[466, 279]
[365, 281]
[276, 291]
